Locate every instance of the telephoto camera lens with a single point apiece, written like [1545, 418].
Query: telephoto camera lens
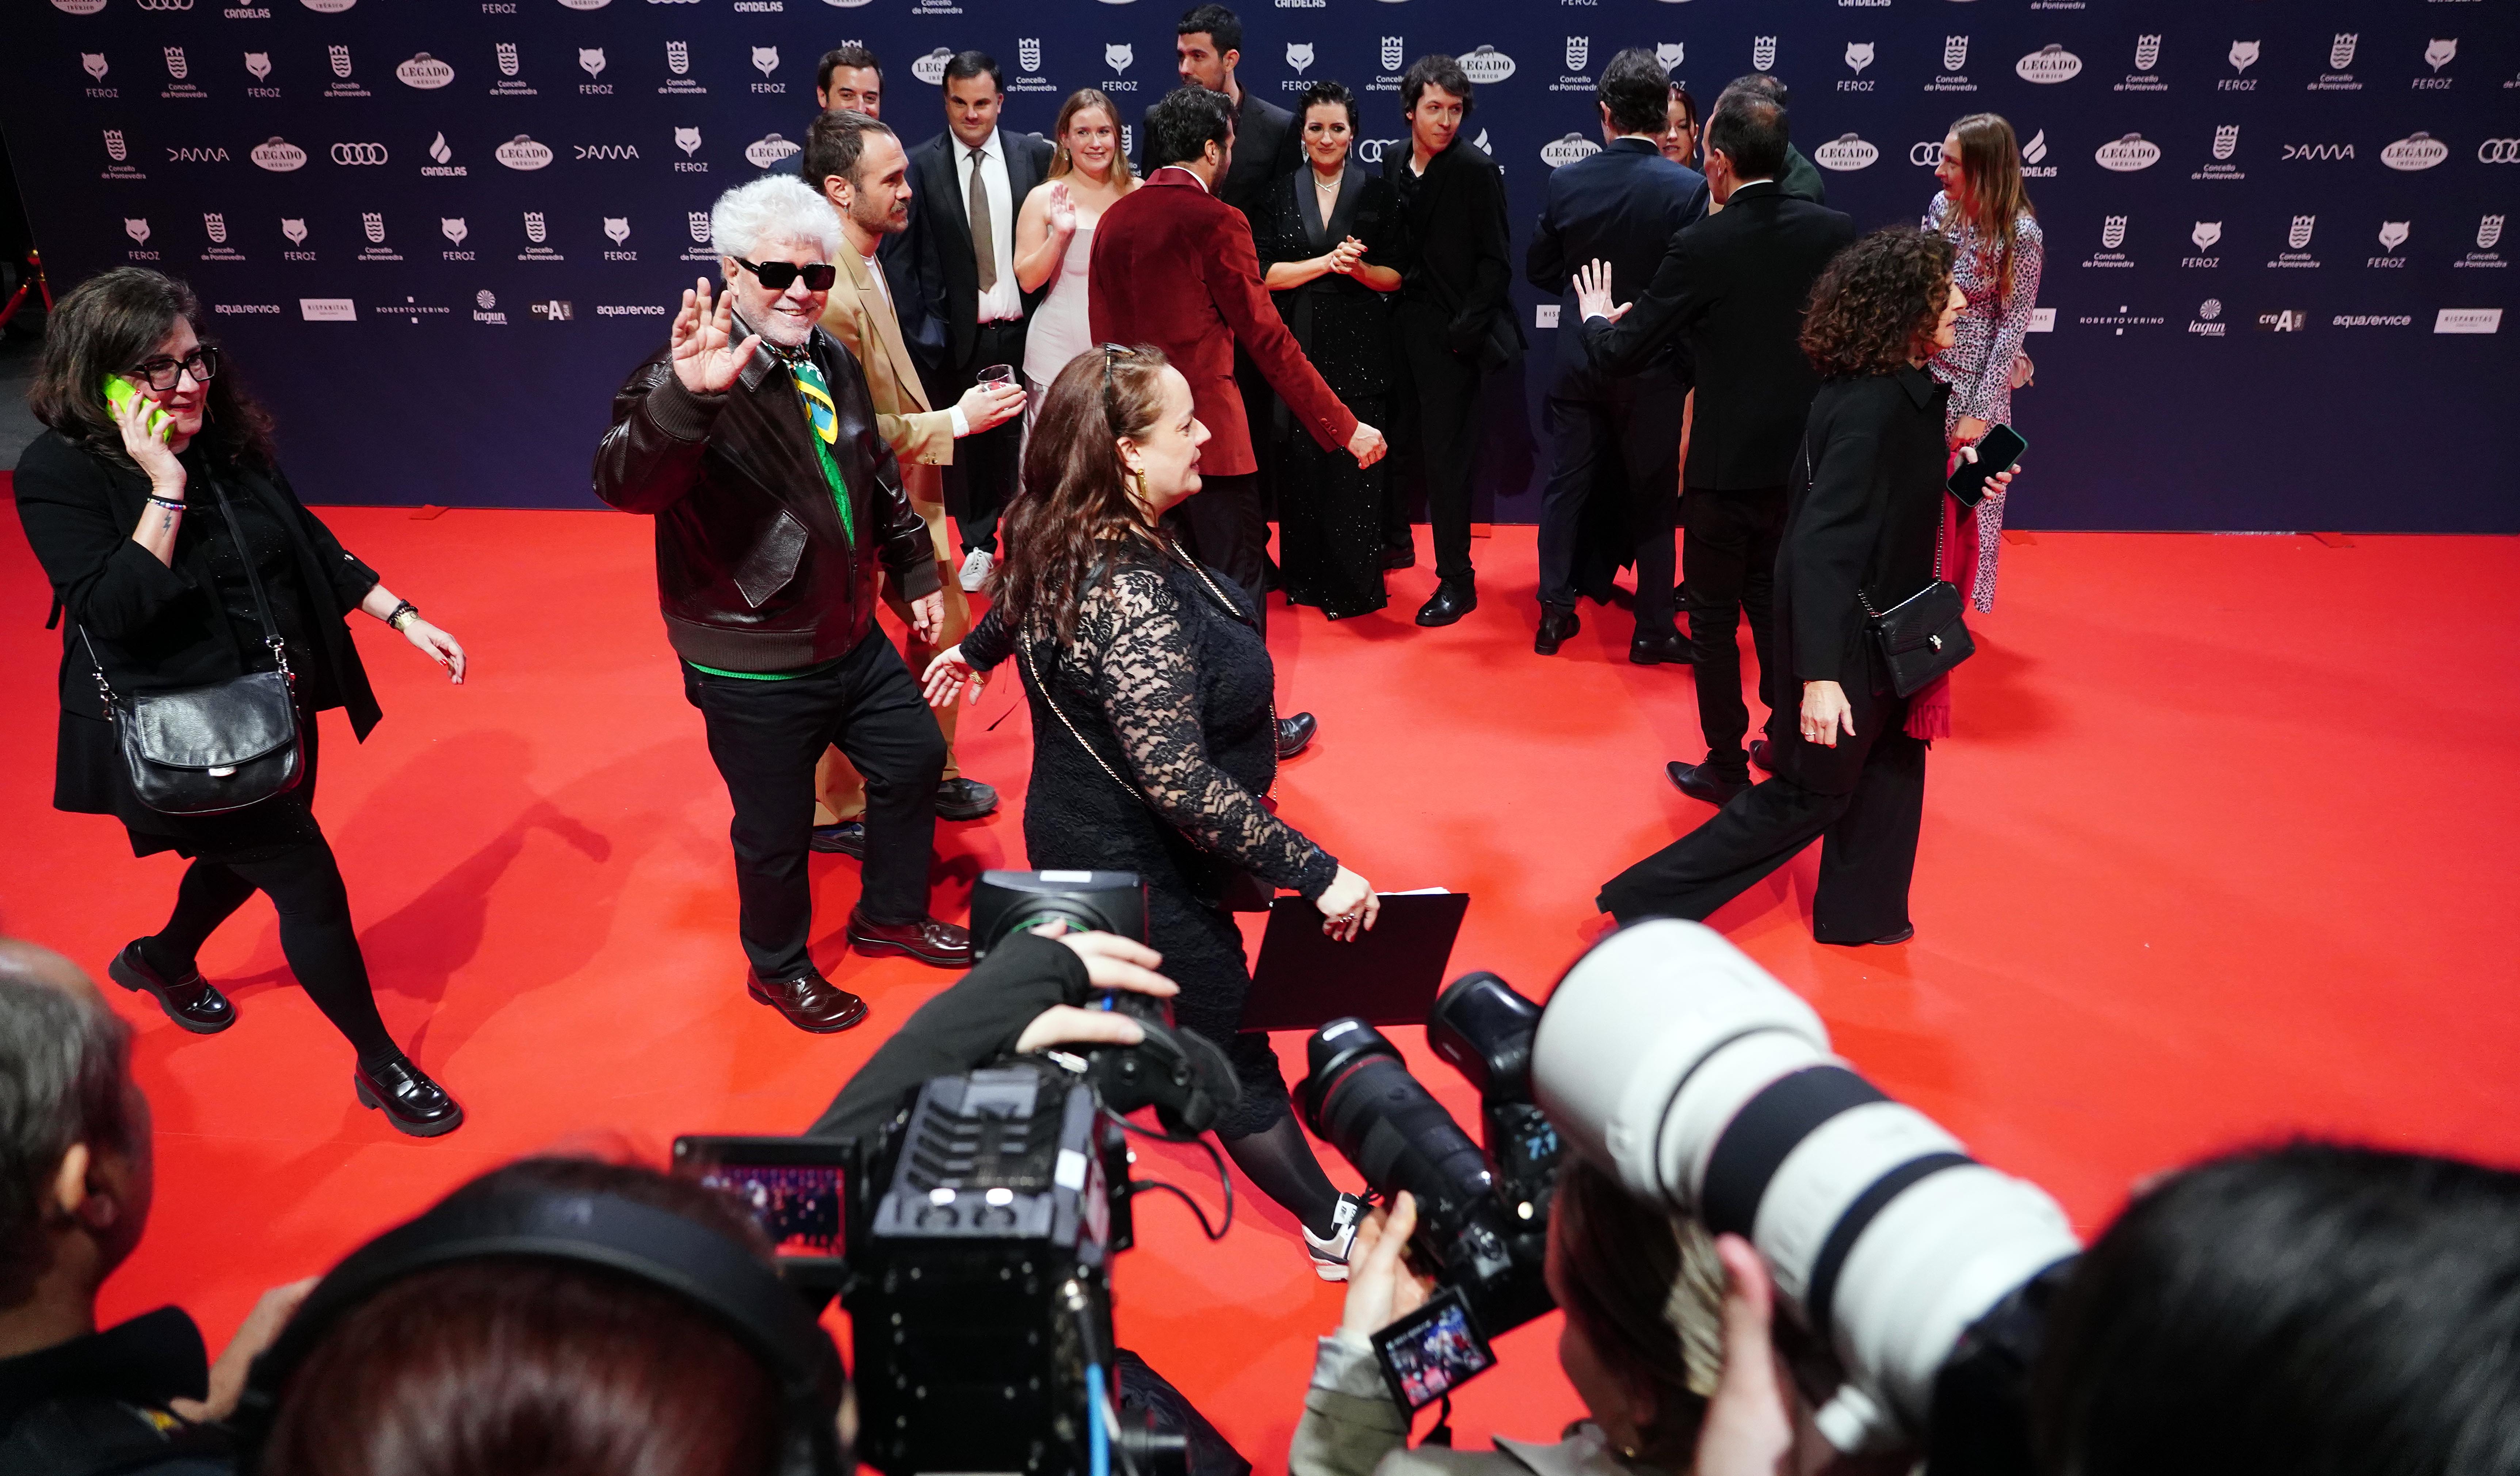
[1007, 903]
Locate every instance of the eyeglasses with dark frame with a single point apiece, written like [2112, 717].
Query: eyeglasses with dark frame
[777, 275]
[164, 373]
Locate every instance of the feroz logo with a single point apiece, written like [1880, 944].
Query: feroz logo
[93, 63]
[258, 63]
[425, 72]
[1954, 53]
[1392, 50]
[2436, 55]
[115, 148]
[2416, 151]
[2125, 155]
[523, 153]
[765, 60]
[1116, 56]
[2298, 238]
[591, 58]
[1763, 53]
[340, 56]
[374, 226]
[930, 68]
[2148, 52]
[2049, 63]
[2227, 139]
[2243, 52]
[2112, 232]
[2206, 233]
[678, 58]
[136, 229]
[1667, 54]
[215, 227]
[688, 140]
[507, 51]
[2340, 51]
[534, 229]
[2030, 152]
[1485, 65]
[2393, 234]
[2468, 320]
[1844, 154]
[452, 227]
[616, 228]
[1029, 54]
[2488, 233]
[176, 67]
[2498, 151]
[699, 225]
[767, 151]
[1579, 50]
[1558, 153]
[359, 154]
[1299, 53]
[293, 230]
[1859, 55]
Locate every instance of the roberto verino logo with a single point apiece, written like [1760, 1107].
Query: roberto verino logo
[930, 68]
[523, 153]
[2049, 63]
[2414, 152]
[1845, 152]
[1486, 65]
[424, 72]
[1560, 152]
[2125, 155]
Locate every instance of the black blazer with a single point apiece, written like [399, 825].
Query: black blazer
[1623, 206]
[1268, 145]
[1460, 261]
[158, 628]
[1861, 521]
[1734, 285]
[939, 238]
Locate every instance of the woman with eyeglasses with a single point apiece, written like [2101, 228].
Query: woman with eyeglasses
[123, 506]
[1154, 737]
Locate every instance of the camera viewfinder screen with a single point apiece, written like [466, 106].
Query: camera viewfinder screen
[797, 1204]
[1434, 1352]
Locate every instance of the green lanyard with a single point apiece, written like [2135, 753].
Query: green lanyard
[825, 419]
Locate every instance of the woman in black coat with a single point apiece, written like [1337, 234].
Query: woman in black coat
[1861, 526]
[125, 518]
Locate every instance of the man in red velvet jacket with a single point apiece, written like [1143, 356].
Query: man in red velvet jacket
[1174, 266]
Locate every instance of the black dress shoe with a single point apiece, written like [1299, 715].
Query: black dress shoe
[1557, 625]
[409, 1100]
[964, 799]
[191, 1001]
[940, 945]
[809, 1000]
[1295, 734]
[1658, 648]
[1451, 599]
[1762, 754]
[1900, 936]
[1400, 557]
[847, 839]
[1698, 781]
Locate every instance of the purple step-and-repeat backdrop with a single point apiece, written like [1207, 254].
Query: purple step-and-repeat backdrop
[435, 234]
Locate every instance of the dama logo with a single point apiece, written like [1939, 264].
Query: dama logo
[1486, 65]
[1579, 50]
[2298, 238]
[374, 225]
[2227, 140]
[506, 54]
[93, 63]
[278, 154]
[2318, 153]
[2489, 232]
[2049, 63]
[1954, 53]
[257, 65]
[114, 148]
[1844, 154]
[2438, 54]
[1393, 49]
[215, 227]
[1116, 56]
[137, 228]
[698, 221]
[765, 60]
[2127, 155]
[2243, 53]
[2414, 152]
[176, 67]
[1859, 55]
[591, 59]
[452, 227]
[688, 140]
[606, 152]
[1029, 54]
[616, 228]
[211, 155]
[1763, 53]
[523, 153]
[1299, 55]
[425, 72]
[1667, 54]
[2148, 52]
[2340, 51]
[678, 58]
[2112, 232]
[2206, 233]
[2393, 234]
[536, 231]
[340, 56]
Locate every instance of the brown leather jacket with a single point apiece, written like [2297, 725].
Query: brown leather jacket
[752, 570]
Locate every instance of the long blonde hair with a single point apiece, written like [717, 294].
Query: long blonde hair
[1063, 163]
[1991, 192]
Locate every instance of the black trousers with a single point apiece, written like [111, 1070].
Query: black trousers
[1443, 391]
[987, 467]
[1622, 436]
[1867, 833]
[1729, 568]
[1226, 528]
[766, 737]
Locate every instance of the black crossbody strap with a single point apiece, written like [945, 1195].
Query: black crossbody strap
[253, 581]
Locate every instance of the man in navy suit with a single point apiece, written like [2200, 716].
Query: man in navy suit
[1617, 436]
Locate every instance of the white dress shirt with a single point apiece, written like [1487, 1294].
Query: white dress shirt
[1006, 299]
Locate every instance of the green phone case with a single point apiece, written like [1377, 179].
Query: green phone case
[119, 391]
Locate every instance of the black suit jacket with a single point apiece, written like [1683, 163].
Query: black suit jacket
[1623, 206]
[1268, 145]
[1801, 180]
[1734, 285]
[939, 239]
[1460, 261]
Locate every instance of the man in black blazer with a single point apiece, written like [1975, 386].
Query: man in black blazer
[1207, 45]
[1455, 322]
[1621, 206]
[1734, 286]
[850, 76]
[966, 270]
[1800, 178]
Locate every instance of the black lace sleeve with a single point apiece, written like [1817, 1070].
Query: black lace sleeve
[986, 643]
[1131, 639]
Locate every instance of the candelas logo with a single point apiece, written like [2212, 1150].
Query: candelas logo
[425, 72]
[2127, 155]
[930, 68]
[2030, 152]
[279, 156]
[1486, 65]
[2049, 63]
[2416, 151]
[523, 153]
[1560, 152]
[1845, 152]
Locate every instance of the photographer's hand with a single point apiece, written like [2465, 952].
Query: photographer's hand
[253, 1336]
[1750, 1425]
[1381, 1289]
[1112, 962]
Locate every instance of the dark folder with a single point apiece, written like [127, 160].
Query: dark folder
[1389, 976]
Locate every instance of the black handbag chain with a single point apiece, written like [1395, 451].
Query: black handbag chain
[253, 581]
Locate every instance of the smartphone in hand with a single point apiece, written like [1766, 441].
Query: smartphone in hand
[1997, 450]
[119, 391]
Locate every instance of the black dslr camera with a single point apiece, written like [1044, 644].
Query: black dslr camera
[1482, 1212]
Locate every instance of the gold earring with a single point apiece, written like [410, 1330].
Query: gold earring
[1140, 473]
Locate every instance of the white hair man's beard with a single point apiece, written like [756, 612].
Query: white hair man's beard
[784, 330]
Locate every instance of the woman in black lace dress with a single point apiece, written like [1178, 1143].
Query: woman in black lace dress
[1154, 735]
[1329, 238]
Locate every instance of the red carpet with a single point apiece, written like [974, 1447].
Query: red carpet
[2224, 850]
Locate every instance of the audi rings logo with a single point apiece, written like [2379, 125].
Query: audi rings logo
[163, 5]
[1925, 156]
[2498, 151]
[358, 153]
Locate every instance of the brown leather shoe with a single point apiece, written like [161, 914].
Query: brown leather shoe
[809, 1000]
[939, 944]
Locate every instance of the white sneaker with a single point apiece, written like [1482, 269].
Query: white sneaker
[976, 570]
[1330, 1257]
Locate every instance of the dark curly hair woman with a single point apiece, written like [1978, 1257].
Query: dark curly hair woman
[1849, 770]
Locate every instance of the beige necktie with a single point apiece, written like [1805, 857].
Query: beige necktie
[984, 238]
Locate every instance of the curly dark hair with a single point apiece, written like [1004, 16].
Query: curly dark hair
[106, 325]
[1073, 510]
[1876, 306]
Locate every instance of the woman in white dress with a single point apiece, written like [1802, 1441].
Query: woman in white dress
[1054, 235]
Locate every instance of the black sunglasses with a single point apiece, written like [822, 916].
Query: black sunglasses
[777, 275]
[162, 374]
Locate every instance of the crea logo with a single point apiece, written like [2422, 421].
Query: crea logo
[2147, 53]
[2283, 320]
[215, 226]
[1844, 154]
[2416, 151]
[278, 154]
[258, 63]
[2468, 320]
[523, 153]
[424, 72]
[1394, 47]
[2227, 140]
[118, 150]
[1579, 50]
[1926, 155]
[2126, 154]
[1667, 55]
[137, 228]
[591, 60]
[2298, 238]
[1954, 53]
[2393, 234]
[2112, 232]
[2498, 151]
[1763, 53]
[328, 310]
[765, 60]
[2489, 232]
[616, 228]
[452, 227]
[293, 231]
[1558, 153]
[1299, 55]
[2049, 63]
[688, 140]
[930, 68]
[1486, 65]
[1859, 55]
[770, 150]
[2340, 51]
[2438, 54]
[374, 224]
[2243, 52]
[359, 154]
[2206, 233]
[2030, 152]
[535, 230]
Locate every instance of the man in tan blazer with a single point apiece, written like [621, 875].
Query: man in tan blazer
[862, 169]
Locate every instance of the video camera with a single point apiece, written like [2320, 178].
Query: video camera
[971, 1243]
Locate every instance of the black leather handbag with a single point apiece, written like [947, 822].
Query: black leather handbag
[1921, 637]
[210, 750]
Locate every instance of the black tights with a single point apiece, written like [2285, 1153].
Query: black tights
[304, 884]
[1278, 1160]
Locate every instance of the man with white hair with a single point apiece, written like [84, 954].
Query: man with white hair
[751, 438]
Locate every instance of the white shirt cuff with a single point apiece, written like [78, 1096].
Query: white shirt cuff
[961, 423]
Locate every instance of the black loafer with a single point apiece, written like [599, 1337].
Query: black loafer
[1886, 939]
[1658, 648]
[1762, 754]
[1295, 734]
[1558, 626]
[810, 1001]
[1450, 602]
[847, 839]
[191, 1002]
[410, 1101]
[964, 799]
[1698, 781]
